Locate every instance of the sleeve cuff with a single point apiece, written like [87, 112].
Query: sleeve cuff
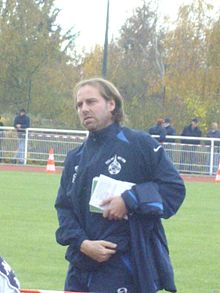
[130, 200]
[80, 240]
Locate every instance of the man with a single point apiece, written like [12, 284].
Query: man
[106, 252]
[192, 130]
[158, 129]
[8, 281]
[214, 132]
[1, 139]
[189, 158]
[170, 130]
[21, 123]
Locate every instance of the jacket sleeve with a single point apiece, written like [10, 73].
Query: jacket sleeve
[69, 231]
[173, 131]
[163, 194]
[162, 135]
[26, 122]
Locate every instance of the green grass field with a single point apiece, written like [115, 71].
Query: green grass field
[28, 222]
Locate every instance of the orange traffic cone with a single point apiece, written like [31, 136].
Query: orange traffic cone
[217, 178]
[50, 163]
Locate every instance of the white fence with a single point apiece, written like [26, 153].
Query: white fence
[201, 158]
[37, 143]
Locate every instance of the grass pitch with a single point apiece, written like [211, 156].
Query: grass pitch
[28, 223]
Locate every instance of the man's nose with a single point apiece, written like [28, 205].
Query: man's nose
[84, 107]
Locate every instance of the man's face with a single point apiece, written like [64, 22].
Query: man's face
[214, 126]
[194, 124]
[94, 111]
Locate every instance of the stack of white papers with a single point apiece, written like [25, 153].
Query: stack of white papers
[104, 187]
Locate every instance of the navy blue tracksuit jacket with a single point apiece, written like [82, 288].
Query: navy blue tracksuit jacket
[189, 131]
[23, 120]
[129, 155]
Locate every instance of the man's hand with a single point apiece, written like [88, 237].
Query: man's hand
[115, 208]
[98, 250]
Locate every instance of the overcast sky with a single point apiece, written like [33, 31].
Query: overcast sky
[89, 16]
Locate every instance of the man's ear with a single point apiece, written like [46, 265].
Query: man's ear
[111, 105]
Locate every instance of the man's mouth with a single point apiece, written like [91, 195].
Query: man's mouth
[87, 119]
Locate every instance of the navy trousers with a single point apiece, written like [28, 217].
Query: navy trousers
[114, 276]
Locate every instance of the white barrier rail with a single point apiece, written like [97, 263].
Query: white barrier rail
[37, 143]
[199, 158]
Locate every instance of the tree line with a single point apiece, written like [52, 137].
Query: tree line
[162, 68]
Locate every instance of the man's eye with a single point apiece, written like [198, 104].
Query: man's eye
[78, 106]
[91, 101]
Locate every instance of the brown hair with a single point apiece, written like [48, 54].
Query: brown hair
[108, 91]
[160, 121]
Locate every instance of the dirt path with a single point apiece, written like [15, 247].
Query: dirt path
[29, 168]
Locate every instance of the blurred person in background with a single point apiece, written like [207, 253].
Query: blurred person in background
[189, 157]
[158, 129]
[192, 130]
[21, 123]
[170, 130]
[214, 132]
[1, 139]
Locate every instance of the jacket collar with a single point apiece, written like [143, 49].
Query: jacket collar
[104, 133]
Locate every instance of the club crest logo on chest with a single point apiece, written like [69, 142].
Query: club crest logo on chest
[114, 164]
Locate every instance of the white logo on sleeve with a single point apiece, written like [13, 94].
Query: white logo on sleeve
[157, 149]
[122, 290]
